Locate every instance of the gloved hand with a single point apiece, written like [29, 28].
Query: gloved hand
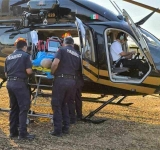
[49, 76]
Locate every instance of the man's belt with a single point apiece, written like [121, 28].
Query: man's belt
[67, 76]
[15, 79]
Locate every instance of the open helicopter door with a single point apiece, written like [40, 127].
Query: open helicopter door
[139, 37]
[86, 39]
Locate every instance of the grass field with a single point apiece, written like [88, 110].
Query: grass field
[136, 127]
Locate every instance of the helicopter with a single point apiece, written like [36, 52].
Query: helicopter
[94, 28]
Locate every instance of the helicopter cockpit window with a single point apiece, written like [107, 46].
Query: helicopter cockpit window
[128, 64]
[154, 47]
[88, 52]
[150, 39]
[7, 41]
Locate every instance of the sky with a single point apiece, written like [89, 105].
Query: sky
[137, 13]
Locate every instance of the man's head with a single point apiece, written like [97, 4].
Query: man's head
[121, 36]
[68, 41]
[21, 43]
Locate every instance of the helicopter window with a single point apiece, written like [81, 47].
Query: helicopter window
[124, 72]
[154, 47]
[150, 39]
[89, 47]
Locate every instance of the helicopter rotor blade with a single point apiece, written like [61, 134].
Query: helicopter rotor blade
[142, 21]
[142, 5]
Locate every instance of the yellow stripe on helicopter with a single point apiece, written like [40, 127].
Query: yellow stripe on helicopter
[2, 58]
[149, 80]
[2, 64]
[131, 87]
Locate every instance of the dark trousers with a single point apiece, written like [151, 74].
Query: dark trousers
[78, 102]
[61, 91]
[134, 64]
[19, 103]
[75, 103]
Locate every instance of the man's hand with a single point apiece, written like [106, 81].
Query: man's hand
[6, 74]
[54, 65]
[132, 52]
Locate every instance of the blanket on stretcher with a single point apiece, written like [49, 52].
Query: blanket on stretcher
[44, 70]
[37, 63]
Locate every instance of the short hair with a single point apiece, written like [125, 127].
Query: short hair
[68, 40]
[21, 44]
[121, 36]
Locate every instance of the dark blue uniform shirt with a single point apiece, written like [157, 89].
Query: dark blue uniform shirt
[70, 61]
[17, 63]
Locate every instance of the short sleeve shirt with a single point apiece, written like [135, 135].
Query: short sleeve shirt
[116, 49]
[17, 63]
[70, 61]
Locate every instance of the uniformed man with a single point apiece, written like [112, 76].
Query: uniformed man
[75, 102]
[17, 68]
[64, 68]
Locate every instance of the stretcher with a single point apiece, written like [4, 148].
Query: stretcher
[40, 74]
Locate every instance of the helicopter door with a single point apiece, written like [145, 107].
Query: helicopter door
[86, 39]
[138, 35]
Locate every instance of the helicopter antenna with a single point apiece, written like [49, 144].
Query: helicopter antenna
[115, 7]
[118, 7]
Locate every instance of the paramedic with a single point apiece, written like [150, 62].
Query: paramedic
[64, 67]
[124, 58]
[17, 67]
[75, 102]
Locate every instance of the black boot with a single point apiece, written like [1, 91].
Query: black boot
[26, 137]
[12, 135]
[65, 130]
[58, 134]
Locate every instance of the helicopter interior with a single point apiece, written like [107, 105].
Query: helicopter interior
[44, 34]
[121, 73]
[88, 51]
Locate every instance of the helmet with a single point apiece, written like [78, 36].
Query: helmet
[19, 39]
[66, 35]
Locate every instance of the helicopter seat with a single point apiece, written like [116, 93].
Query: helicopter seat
[115, 70]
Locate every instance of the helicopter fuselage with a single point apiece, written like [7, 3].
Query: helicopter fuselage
[100, 25]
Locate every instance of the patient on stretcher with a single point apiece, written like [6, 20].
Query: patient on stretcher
[46, 63]
[43, 63]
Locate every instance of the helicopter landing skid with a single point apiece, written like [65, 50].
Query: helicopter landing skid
[104, 103]
[97, 100]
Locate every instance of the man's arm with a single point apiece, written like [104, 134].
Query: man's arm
[54, 65]
[6, 74]
[5, 69]
[127, 55]
[28, 65]
[29, 71]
